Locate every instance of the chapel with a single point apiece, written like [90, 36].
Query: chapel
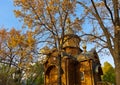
[79, 66]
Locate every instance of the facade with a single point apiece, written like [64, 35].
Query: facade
[79, 67]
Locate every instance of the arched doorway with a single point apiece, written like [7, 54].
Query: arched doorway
[51, 77]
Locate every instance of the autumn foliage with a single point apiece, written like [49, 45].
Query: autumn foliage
[16, 49]
[51, 18]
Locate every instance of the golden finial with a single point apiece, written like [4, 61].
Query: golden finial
[69, 29]
[84, 47]
[68, 21]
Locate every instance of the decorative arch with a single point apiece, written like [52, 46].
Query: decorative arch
[49, 69]
[51, 75]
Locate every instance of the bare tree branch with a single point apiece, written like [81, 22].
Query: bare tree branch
[107, 34]
[98, 37]
[109, 12]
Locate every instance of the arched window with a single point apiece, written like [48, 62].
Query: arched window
[82, 76]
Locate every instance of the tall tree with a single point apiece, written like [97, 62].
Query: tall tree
[108, 73]
[49, 19]
[104, 21]
[16, 50]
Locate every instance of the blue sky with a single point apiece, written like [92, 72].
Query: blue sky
[8, 20]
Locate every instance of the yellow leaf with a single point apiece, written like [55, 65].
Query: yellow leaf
[23, 1]
[17, 13]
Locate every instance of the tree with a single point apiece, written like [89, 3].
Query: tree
[6, 77]
[109, 73]
[104, 21]
[35, 74]
[49, 19]
[16, 51]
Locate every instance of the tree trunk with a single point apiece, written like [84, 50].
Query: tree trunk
[117, 70]
[59, 70]
[116, 55]
[117, 73]
[117, 41]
